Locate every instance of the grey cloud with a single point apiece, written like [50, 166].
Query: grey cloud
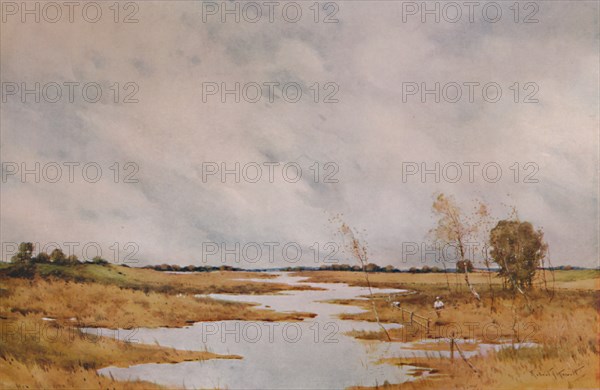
[170, 212]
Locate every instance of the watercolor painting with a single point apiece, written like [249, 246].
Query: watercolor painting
[305, 194]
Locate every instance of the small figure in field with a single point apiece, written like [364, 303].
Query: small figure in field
[438, 305]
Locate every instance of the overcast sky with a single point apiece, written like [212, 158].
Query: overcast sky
[173, 133]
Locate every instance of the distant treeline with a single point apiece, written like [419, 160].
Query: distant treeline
[371, 267]
[57, 256]
[25, 255]
[334, 267]
[566, 268]
[191, 268]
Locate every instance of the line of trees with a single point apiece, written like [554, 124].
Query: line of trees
[370, 267]
[190, 268]
[25, 255]
[515, 246]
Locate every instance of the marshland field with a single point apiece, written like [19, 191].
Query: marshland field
[547, 339]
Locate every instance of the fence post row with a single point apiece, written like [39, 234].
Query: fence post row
[426, 321]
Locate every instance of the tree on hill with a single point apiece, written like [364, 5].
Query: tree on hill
[42, 257]
[519, 250]
[99, 260]
[72, 259]
[24, 253]
[58, 256]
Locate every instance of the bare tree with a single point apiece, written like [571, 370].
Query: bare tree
[453, 227]
[359, 252]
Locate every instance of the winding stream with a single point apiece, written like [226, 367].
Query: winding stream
[310, 354]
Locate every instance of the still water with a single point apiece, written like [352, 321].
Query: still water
[310, 354]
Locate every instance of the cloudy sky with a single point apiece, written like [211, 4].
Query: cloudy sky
[359, 122]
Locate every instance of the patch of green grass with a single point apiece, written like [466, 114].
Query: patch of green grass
[533, 354]
[576, 274]
[103, 274]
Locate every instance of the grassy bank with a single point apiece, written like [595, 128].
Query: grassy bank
[41, 354]
[98, 305]
[574, 279]
[119, 297]
[148, 280]
[36, 353]
[503, 370]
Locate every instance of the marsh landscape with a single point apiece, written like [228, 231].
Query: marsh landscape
[306, 195]
[286, 330]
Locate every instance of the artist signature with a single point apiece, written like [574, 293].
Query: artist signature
[557, 373]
